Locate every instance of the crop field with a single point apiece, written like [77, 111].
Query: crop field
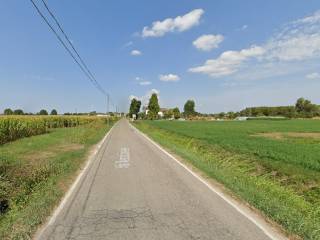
[35, 171]
[15, 127]
[273, 165]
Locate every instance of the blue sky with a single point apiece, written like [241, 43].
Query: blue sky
[226, 55]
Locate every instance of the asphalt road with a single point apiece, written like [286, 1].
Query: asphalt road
[133, 190]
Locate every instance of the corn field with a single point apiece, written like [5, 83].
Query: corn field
[15, 127]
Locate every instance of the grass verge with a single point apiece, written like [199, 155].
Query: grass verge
[246, 176]
[35, 172]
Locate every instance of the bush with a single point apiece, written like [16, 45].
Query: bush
[43, 112]
[8, 111]
[54, 112]
[18, 112]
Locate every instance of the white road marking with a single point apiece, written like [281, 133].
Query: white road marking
[260, 223]
[124, 160]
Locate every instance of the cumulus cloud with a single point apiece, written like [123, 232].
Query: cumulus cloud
[178, 24]
[136, 53]
[169, 77]
[228, 62]
[297, 41]
[314, 75]
[208, 42]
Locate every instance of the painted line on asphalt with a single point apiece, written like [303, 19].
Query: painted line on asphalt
[69, 193]
[274, 235]
[124, 160]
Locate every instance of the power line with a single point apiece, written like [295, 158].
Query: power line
[83, 68]
[73, 47]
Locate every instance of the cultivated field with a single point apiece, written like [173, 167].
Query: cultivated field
[274, 165]
[35, 171]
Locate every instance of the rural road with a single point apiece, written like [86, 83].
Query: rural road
[133, 190]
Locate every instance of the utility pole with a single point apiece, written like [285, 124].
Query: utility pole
[108, 109]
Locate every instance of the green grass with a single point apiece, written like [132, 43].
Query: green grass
[35, 172]
[281, 177]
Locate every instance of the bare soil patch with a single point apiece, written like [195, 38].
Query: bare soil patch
[280, 136]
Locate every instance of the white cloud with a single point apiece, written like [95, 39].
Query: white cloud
[314, 18]
[298, 41]
[169, 77]
[144, 83]
[228, 62]
[297, 47]
[136, 53]
[208, 42]
[178, 24]
[314, 75]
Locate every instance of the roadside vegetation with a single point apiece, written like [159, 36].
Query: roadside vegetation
[273, 165]
[36, 171]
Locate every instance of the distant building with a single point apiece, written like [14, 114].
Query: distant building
[241, 118]
[160, 113]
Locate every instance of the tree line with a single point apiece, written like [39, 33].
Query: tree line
[9, 111]
[152, 110]
[303, 108]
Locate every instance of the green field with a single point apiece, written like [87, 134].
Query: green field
[36, 171]
[273, 165]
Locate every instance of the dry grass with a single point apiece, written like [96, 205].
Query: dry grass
[285, 135]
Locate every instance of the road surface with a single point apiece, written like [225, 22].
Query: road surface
[133, 190]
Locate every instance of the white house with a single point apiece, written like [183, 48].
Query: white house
[160, 113]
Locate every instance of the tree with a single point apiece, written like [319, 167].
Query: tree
[8, 111]
[134, 107]
[221, 115]
[176, 113]
[54, 112]
[153, 107]
[18, 112]
[300, 105]
[168, 114]
[43, 112]
[189, 108]
[305, 108]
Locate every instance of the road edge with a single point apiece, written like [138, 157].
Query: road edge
[92, 156]
[255, 218]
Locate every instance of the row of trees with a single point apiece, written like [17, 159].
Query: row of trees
[303, 108]
[9, 111]
[153, 109]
